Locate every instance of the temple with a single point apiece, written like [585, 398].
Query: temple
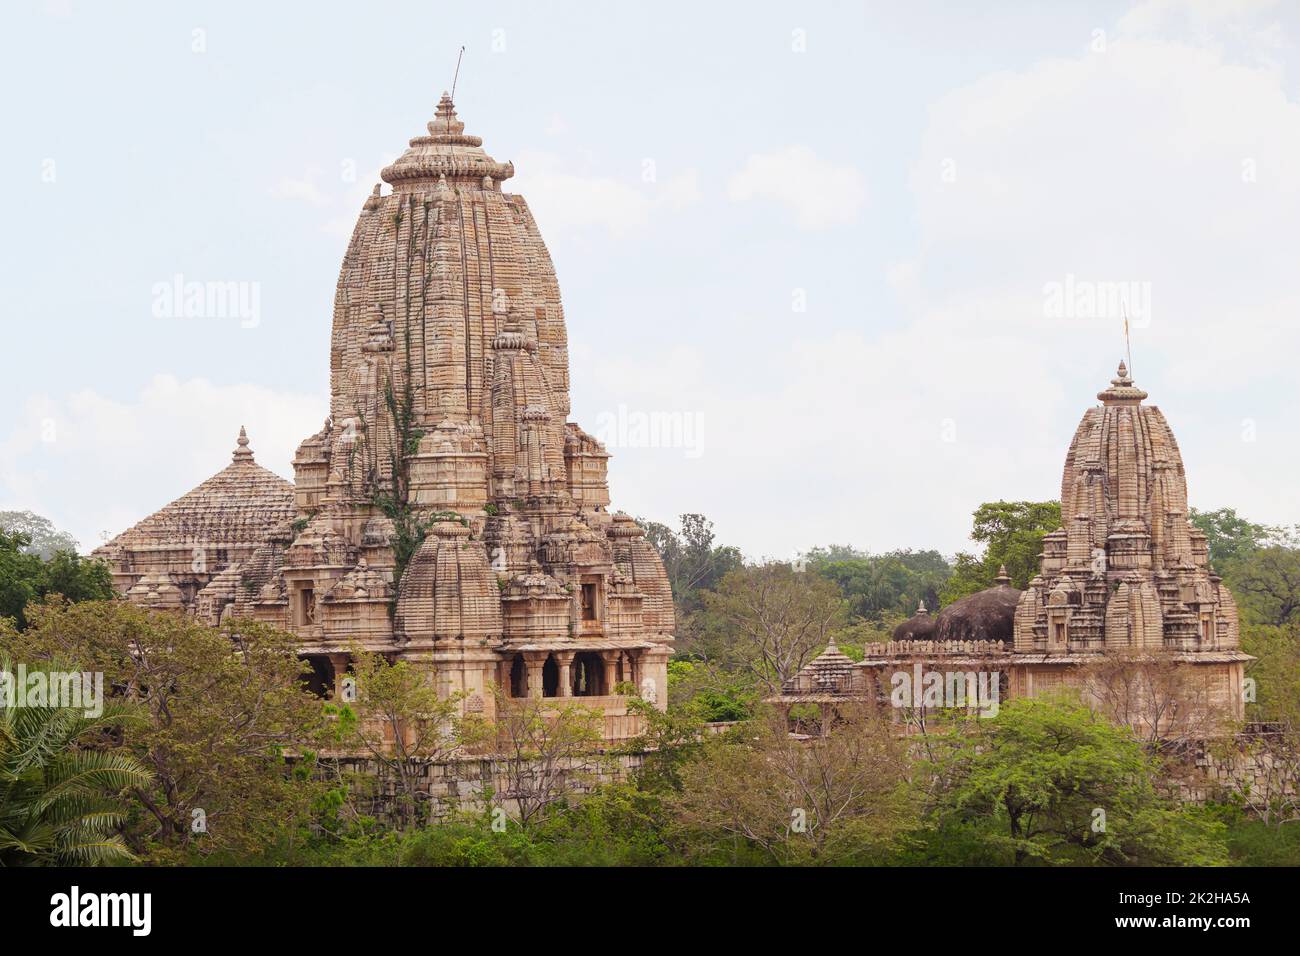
[1124, 584]
[447, 512]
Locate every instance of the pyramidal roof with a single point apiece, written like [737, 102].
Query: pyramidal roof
[830, 672]
[241, 503]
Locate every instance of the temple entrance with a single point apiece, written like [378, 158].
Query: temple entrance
[588, 675]
[518, 677]
[550, 678]
[320, 679]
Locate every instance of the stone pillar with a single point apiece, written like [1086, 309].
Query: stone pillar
[565, 662]
[339, 662]
[611, 669]
[535, 661]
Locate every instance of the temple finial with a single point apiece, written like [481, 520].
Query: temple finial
[1003, 578]
[1122, 391]
[242, 451]
[921, 608]
[446, 123]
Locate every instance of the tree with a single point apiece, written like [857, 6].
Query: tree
[550, 749]
[60, 788]
[44, 540]
[220, 708]
[768, 620]
[401, 722]
[843, 797]
[20, 576]
[1012, 534]
[1231, 537]
[877, 586]
[691, 559]
[26, 577]
[1049, 781]
[1267, 585]
[1272, 791]
[1164, 702]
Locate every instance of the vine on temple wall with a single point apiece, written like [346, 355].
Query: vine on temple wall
[392, 496]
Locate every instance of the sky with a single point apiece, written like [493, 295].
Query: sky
[866, 265]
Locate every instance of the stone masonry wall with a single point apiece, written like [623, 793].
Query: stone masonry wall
[459, 784]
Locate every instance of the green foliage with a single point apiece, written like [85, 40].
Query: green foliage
[1266, 583]
[218, 709]
[1253, 842]
[759, 795]
[26, 577]
[1047, 781]
[1230, 536]
[1012, 534]
[61, 784]
[878, 586]
[402, 722]
[766, 621]
[44, 540]
[693, 562]
[709, 693]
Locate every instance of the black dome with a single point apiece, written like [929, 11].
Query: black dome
[988, 615]
[919, 627]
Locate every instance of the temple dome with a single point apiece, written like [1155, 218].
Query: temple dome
[919, 627]
[987, 615]
[448, 591]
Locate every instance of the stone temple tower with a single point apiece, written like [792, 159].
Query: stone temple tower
[1127, 571]
[448, 512]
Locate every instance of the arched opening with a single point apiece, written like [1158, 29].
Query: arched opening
[550, 678]
[518, 677]
[588, 675]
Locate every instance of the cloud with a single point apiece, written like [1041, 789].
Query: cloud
[301, 189]
[566, 199]
[819, 193]
[1115, 166]
[96, 464]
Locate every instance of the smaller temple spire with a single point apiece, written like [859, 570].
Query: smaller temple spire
[1003, 579]
[242, 451]
[921, 608]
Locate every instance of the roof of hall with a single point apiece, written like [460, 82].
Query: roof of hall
[919, 627]
[830, 671]
[242, 503]
[987, 615]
